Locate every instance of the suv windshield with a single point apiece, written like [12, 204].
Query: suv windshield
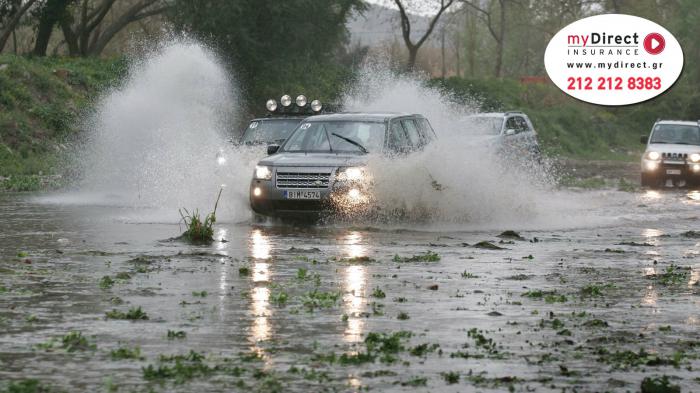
[681, 134]
[337, 136]
[483, 125]
[269, 130]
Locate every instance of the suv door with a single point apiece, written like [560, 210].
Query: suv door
[397, 140]
[414, 137]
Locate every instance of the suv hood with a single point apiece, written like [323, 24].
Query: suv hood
[673, 148]
[314, 159]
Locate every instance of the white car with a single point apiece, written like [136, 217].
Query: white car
[672, 156]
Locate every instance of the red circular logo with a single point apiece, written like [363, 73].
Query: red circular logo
[654, 43]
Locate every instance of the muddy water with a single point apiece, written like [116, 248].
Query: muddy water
[595, 307]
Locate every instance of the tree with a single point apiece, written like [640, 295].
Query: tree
[498, 31]
[411, 46]
[11, 13]
[48, 16]
[275, 47]
[86, 34]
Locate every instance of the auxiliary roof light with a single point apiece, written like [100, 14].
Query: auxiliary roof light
[316, 105]
[301, 100]
[271, 105]
[286, 100]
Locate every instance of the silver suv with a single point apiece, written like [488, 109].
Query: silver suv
[672, 155]
[321, 167]
[511, 132]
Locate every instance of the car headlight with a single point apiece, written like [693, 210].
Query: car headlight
[353, 173]
[653, 155]
[263, 172]
[695, 157]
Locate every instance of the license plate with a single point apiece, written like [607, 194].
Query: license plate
[673, 171]
[302, 194]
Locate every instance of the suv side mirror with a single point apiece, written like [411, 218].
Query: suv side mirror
[644, 139]
[272, 149]
[510, 132]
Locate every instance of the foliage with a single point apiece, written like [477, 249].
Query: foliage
[199, 231]
[275, 47]
[41, 100]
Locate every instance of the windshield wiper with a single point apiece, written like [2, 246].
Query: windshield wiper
[352, 142]
[328, 137]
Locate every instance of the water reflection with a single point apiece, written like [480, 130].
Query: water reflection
[694, 195]
[355, 283]
[260, 245]
[261, 330]
[651, 233]
[353, 247]
[650, 296]
[651, 195]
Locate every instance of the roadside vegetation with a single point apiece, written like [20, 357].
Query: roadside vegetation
[41, 104]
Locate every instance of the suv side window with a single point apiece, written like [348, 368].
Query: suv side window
[427, 133]
[512, 124]
[412, 130]
[521, 124]
[397, 141]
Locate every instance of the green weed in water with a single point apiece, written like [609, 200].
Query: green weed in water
[427, 257]
[198, 230]
[133, 314]
[124, 353]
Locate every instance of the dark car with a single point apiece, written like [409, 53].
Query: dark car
[321, 167]
[280, 121]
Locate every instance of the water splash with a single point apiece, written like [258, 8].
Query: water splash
[462, 179]
[153, 140]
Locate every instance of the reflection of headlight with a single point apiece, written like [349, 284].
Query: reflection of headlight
[695, 157]
[352, 173]
[263, 172]
[653, 155]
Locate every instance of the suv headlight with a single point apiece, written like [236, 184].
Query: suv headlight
[263, 172]
[653, 155]
[353, 173]
[695, 157]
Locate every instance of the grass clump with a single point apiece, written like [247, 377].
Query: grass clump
[316, 299]
[451, 377]
[200, 293]
[106, 282]
[27, 386]
[75, 341]
[659, 385]
[134, 314]
[548, 296]
[429, 256]
[176, 334]
[279, 298]
[244, 271]
[198, 230]
[378, 293]
[179, 368]
[125, 353]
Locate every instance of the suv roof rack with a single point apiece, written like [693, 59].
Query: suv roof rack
[509, 112]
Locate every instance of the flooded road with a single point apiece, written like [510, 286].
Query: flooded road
[92, 299]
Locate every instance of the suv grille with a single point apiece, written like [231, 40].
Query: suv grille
[303, 180]
[674, 156]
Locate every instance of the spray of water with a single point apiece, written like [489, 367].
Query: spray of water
[462, 179]
[153, 140]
